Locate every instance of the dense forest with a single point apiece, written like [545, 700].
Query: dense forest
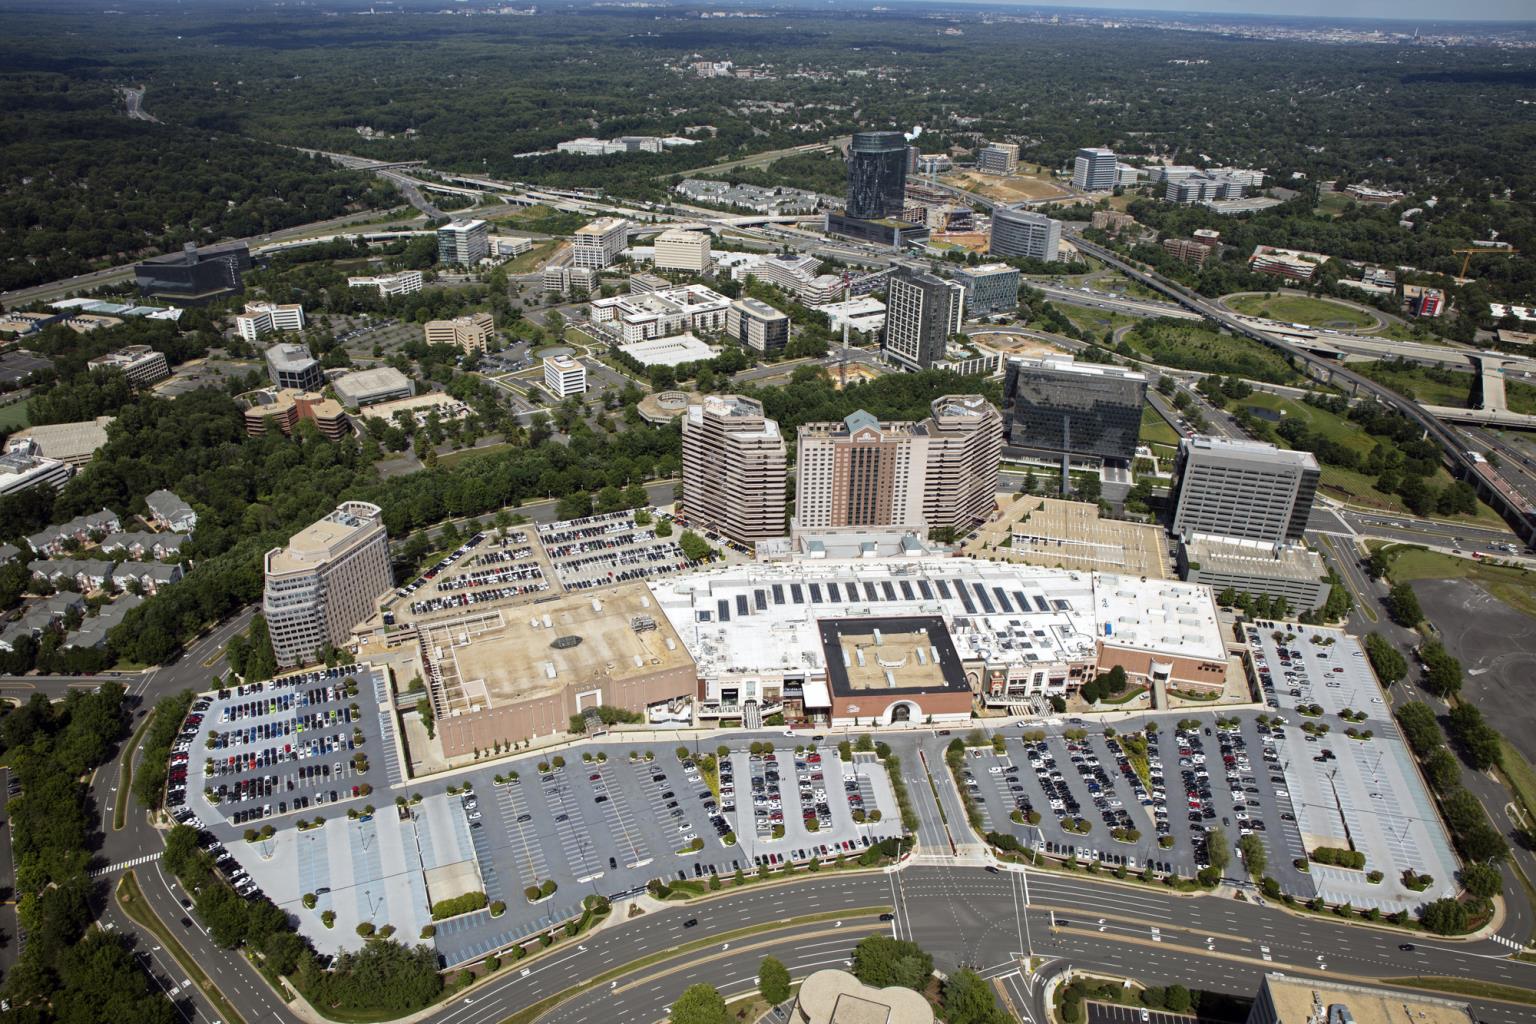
[83, 186]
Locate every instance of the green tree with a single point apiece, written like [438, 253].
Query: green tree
[1482, 880]
[1444, 917]
[968, 999]
[880, 960]
[773, 980]
[695, 548]
[1255, 857]
[699, 1004]
[1403, 605]
[1387, 660]
[1218, 851]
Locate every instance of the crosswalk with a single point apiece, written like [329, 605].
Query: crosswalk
[124, 865]
[1511, 943]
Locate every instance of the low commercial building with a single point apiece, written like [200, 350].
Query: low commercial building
[516, 674]
[837, 997]
[864, 314]
[469, 334]
[1293, 264]
[291, 366]
[284, 408]
[326, 581]
[564, 376]
[420, 408]
[756, 325]
[1294, 573]
[673, 351]
[989, 288]
[262, 318]
[680, 249]
[368, 387]
[170, 512]
[1291, 1000]
[641, 283]
[406, 282]
[855, 642]
[141, 364]
[510, 245]
[23, 466]
[661, 313]
[74, 443]
[1374, 196]
[1421, 300]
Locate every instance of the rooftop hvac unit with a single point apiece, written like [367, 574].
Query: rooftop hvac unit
[645, 602]
[671, 644]
[934, 653]
[597, 605]
[639, 661]
[922, 656]
[533, 623]
[858, 653]
[890, 679]
[878, 640]
[549, 670]
[547, 620]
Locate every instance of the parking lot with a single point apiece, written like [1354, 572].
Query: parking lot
[279, 748]
[1362, 793]
[489, 566]
[789, 805]
[609, 548]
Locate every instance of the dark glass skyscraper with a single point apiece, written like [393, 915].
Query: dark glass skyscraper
[877, 175]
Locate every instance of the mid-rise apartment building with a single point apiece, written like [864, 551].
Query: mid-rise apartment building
[1021, 233]
[734, 469]
[326, 581]
[1059, 408]
[291, 366]
[564, 376]
[998, 158]
[1094, 169]
[922, 312]
[261, 318]
[470, 334]
[756, 325]
[406, 282]
[677, 249]
[989, 288]
[1246, 489]
[141, 364]
[939, 473]
[464, 243]
[595, 245]
[660, 314]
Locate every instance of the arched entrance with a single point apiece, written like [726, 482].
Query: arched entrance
[901, 713]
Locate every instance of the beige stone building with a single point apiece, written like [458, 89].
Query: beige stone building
[734, 469]
[471, 333]
[326, 581]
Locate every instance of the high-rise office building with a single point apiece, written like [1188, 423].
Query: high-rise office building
[734, 469]
[564, 376]
[291, 366]
[1094, 169]
[463, 242]
[877, 175]
[989, 288]
[1017, 232]
[756, 325]
[1239, 488]
[677, 249]
[1055, 406]
[998, 158]
[922, 312]
[326, 581]
[939, 473]
[599, 243]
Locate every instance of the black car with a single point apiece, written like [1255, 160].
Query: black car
[613, 864]
[1406, 947]
[692, 921]
[887, 917]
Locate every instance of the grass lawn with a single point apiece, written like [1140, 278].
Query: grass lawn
[1301, 309]
[1192, 346]
[456, 457]
[1156, 430]
[534, 258]
[1335, 428]
[14, 416]
[1430, 385]
[1094, 321]
[1515, 587]
[1331, 204]
[1402, 332]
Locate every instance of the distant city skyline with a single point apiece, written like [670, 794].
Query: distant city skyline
[1426, 11]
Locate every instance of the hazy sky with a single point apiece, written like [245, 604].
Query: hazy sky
[1463, 10]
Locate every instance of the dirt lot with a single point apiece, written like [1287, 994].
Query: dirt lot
[1012, 188]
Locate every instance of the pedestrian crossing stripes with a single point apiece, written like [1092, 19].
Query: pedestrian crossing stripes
[1511, 943]
[124, 865]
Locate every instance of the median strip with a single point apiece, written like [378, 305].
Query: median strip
[531, 1013]
[131, 899]
[125, 774]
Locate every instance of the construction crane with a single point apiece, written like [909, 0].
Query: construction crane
[1467, 254]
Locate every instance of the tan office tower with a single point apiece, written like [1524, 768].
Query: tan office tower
[326, 581]
[734, 469]
[940, 473]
